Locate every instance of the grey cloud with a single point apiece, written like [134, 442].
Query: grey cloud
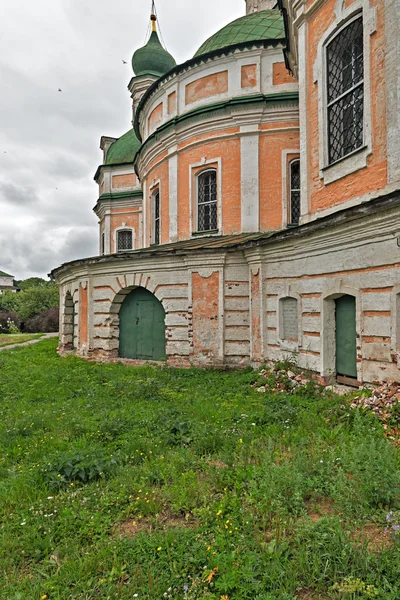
[17, 195]
[51, 138]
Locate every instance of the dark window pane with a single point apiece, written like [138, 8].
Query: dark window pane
[157, 220]
[124, 240]
[345, 91]
[207, 201]
[295, 192]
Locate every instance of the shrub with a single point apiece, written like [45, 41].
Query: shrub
[9, 322]
[47, 322]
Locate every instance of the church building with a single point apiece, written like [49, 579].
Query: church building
[252, 210]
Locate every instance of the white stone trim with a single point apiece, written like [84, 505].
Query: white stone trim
[286, 183]
[335, 290]
[358, 159]
[173, 196]
[107, 232]
[288, 345]
[392, 75]
[156, 186]
[396, 322]
[304, 150]
[193, 193]
[249, 179]
[124, 227]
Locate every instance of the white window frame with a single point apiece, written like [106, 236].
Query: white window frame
[198, 175]
[285, 344]
[286, 183]
[153, 216]
[291, 190]
[358, 158]
[194, 171]
[120, 229]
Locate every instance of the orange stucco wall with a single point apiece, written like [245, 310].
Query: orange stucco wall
[205, 294]
[272, 145]
[159, 172]
[212, 85]
[131, 219]
[229, 153]
[171, 103]
[365, 180]
[123, 181]
[249, 76]
[281, 75]
[155, 117]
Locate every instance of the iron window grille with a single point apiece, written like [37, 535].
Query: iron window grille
[345, 91]
[295, 192]
[157, 219]
[207, 201]
[124, 240]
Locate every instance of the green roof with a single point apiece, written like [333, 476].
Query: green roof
[2, 274]
[124, 149]
[152, 59]
[263, 25]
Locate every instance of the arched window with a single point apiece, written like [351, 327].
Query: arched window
[207, 201]
[156, 218]
[294, 211]
[345, 90]
[124, 240]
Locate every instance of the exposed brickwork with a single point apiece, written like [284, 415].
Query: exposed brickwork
[205, 87]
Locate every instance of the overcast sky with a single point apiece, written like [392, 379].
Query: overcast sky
[49, 140]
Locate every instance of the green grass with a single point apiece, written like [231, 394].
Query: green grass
[117, 481]
[18, 338]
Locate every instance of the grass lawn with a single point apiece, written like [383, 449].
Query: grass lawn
[120, 483]
[18, 338]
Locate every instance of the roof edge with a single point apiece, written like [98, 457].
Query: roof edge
[192, 62]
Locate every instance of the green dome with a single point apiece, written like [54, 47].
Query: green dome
[124, 149]
[258, 26]
[152, 59]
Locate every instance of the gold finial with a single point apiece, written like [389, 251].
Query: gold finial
[153, 22]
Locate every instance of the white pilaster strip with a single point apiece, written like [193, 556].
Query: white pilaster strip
[173, 198]
[305, 209]
[107, 231]
[250, 192]
[392, 54]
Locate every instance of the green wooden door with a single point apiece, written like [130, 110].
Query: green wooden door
[346, 336]
[142, 327]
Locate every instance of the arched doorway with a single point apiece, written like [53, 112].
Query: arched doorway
[346, 337]
[142, 326]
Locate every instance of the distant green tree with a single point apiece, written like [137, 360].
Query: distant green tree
[25, 284]
[34, 300]
[8, 302]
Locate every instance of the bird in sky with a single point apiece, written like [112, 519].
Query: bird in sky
[124, 61]
[59, 89]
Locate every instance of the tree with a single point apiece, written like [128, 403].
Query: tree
[25, 284]
[35, 300]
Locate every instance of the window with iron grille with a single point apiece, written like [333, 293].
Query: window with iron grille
[207, 201]
[345, 91]
[294, 216]
[103, 243]
[124, 240]
[156, 218]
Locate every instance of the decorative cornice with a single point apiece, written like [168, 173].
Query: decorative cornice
[353, 219]
[214, 109]
[193, 62]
